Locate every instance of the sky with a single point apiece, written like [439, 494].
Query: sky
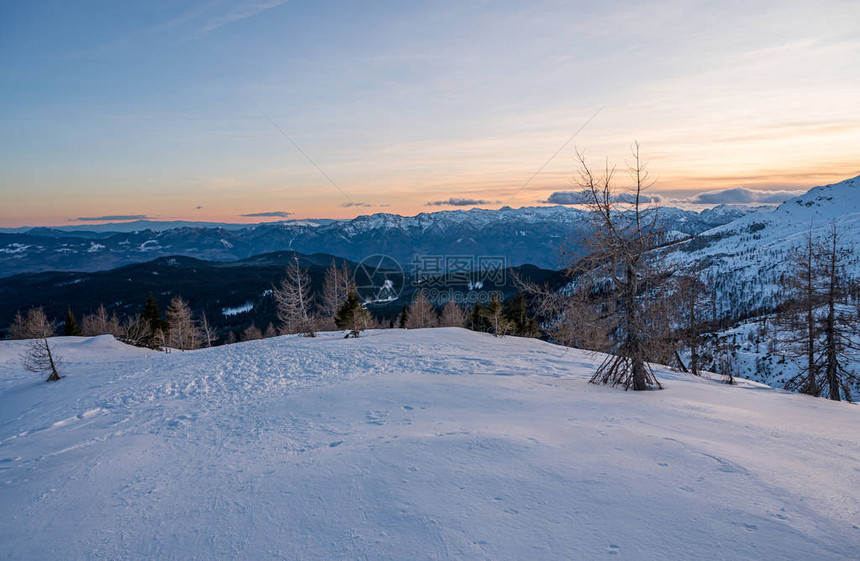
[244, 111]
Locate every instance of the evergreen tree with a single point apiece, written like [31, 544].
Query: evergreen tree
[494, 316]
[70, 326]
[156, 324]
[403, 321]
[352, 315]
[521, 322]
[476, 320]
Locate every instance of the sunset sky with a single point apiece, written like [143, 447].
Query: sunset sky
[182, 110]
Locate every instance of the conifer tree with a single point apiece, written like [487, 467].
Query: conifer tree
[476, 319]
[70, 325]
[494, 315]
[352, 315]
[403, 320]
[294, 298]
[270, 331]
[335, 289]
[452, 315]
[252, 333]
[522, 324]
[624, 274]
[156, 324]
[183, 332]
[37, 355]
[421, 313]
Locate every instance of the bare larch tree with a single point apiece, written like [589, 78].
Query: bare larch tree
[421, 313]
[37, 355]
[798, 316]
[623, 274]
[452, 315]
[825, 325]
[183, 332]
[293, 298]
[336, 285]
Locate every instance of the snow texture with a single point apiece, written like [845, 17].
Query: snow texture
[418, 444]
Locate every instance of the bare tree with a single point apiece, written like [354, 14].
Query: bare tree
[335, 289]
[33, 325]
[37, 355]
[620, 272]
[568, 316]
[135, 331]
[183, 332]
[824, 321]
[837, 324]
[798, 317]
[101, 323]
[207, 333]
[452, 315]
[691, 295]
[270, 331]
[252, 333]
[294, 299]
[421, 313]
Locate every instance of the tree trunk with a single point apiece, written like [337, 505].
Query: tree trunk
[54, 374]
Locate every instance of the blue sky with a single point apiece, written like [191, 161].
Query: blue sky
[158, 109]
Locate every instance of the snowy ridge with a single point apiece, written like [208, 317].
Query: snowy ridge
[419, 444]
[527, 235]
[745, 258]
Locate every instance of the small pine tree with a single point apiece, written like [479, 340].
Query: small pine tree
[403, 321]
[494, 315]
[352, 315]
[157, 325]
[522, 324]
[476, 320]
[70, 325]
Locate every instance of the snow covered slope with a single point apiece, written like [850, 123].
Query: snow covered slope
[745, 258]
[420, 444]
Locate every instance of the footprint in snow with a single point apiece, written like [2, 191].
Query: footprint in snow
[614, 549]
[377, 417]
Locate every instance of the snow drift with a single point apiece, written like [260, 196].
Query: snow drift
[420, 444]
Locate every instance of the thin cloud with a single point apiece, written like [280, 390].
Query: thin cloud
[584, 197]
[742, 195]
[458, 201]
[110, 217]
[270, 214]
[243, 10]
[353, 203]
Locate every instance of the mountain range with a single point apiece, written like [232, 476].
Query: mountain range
[744, 260]
[527, 235]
